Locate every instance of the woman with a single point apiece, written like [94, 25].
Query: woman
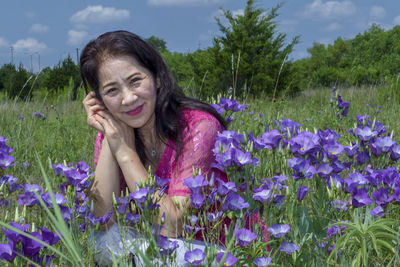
[144, 121]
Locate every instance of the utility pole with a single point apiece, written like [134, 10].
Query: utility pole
[12, 55]
[77, 56]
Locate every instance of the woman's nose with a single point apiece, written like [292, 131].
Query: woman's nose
[128, 97]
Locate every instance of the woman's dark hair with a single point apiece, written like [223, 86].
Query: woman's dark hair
[170, 99]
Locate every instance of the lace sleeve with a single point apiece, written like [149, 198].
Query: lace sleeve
[196, 152]
[97, 147]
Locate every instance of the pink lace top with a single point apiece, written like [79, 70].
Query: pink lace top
[199, 134]
[201, 129]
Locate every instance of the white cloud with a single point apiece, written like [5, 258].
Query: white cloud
[3, 42]
[238, 12]
[39, 28]
[99, 14]
[333, 27]
[76, 37]
[181, 2]
[330, 9]
[29, 45]
[377, 12]
[396, 20]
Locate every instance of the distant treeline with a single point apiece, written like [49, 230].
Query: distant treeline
[249, 57]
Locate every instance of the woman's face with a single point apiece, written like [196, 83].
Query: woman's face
[128, 90]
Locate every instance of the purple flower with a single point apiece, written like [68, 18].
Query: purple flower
[288, 125]
[333, 150]
[60, 168]
[212, 217]
[197, 200]
[245, 237]
[132, 218]
[302, 168]
[27, 199]
[166, 246]
[324, 169]
[14, 236]
[21, 117]
[378, 211]
[304, 143]
[234, 202]
[361, 198]
[395, 152]
[362, 157]
[271, 139]
[4, 203]
[60, 199]
[279, 230]
[365, 134]
[195, 257]
[75, 177]
[40, 115]
[31, 247]
[302, 193]
[258, 143]
[218, 108]
[6, 161]
[242, 158]
[139, 196]
[351, 150]
[263, 261]
[382, 197]
[195, 184]
[7, 251]
[49, 237]
[192, 229]
[288, 247]
[232, 104]
[122, 204]
[382, 144]
[230, 260]
[262, 194]
[328, 136]
[339, 205]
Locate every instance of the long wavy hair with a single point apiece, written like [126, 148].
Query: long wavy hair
[170, 100]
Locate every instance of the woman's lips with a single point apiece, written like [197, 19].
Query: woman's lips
[135, 111]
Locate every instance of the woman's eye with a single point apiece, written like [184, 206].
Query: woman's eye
[111, 91]
[135, 82]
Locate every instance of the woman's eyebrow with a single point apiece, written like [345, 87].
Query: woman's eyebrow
[108, 84]
[133, 74]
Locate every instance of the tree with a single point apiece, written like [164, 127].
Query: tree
[159, 44]
[6, 72]
[60, 76]
[19, 84]
[251, 53]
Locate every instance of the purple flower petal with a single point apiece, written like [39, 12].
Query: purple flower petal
[230, 260]
[245, 237]
[288, 247]
[195, 257]
[279, 230]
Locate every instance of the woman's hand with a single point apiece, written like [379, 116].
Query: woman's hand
[92, 106]
[120, 137]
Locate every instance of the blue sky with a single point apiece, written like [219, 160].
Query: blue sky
[49, 30]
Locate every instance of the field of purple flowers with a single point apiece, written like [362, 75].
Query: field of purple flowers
[321, 170]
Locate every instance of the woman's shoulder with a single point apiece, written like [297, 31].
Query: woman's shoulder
[194, 116]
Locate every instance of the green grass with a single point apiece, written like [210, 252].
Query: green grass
[65, 137]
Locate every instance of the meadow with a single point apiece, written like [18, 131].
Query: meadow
[321, 169]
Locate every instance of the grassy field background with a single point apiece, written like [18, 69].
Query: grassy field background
[64, 136]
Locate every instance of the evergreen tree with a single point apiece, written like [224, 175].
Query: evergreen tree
[251, 53]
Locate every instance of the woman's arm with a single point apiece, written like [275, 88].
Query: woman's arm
[106, 182]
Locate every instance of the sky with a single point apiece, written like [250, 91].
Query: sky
[40, 33]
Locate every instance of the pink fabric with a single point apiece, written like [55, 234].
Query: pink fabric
[200, 131]
[199, 134]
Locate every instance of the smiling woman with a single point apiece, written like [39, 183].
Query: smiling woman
[143, 121]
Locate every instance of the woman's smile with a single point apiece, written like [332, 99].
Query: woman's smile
[135, 111]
